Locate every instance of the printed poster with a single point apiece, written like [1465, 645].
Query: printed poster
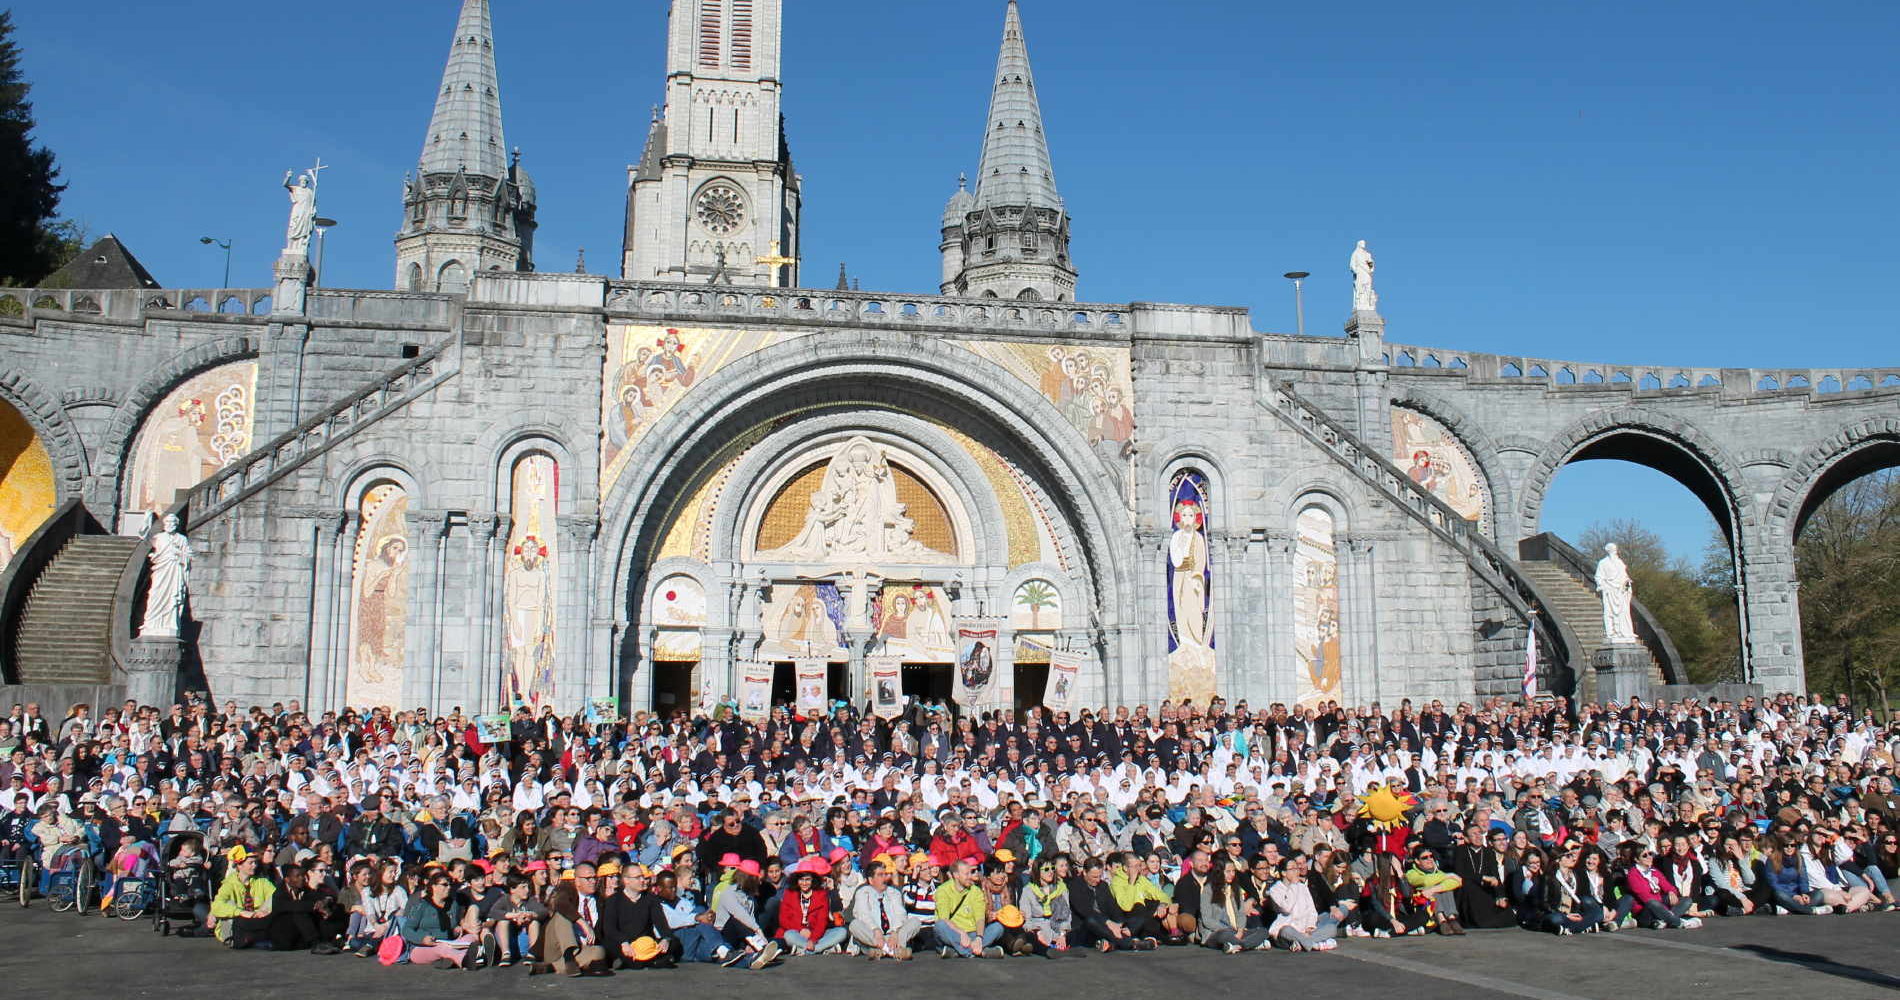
[755, 691]
[887, 685]
[602, 711]
[812, 676]
[493, 729]
[976, 684]
[1065, 673]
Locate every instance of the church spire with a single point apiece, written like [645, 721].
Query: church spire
[1009, 237]
[1015, 169]
[470, 207]
[465, 131]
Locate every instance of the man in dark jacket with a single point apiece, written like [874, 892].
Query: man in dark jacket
[731, 836]
[302, 917]
[634, 913]
[372, 833]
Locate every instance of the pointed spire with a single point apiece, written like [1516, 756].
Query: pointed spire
[1015, 169]
[466, 128]
[843, 285]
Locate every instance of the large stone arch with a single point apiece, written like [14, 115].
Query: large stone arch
[1664, 442]
[881, 369]
[55, 429]
[108, 490]
[1852, 451]
[1487, 452]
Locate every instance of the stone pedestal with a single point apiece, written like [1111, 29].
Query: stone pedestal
[1622, 671]
[151, 671]
[293, 281]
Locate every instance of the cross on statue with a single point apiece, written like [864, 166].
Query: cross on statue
[775, 261]
[317, 169]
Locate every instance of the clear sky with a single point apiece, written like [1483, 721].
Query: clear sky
[1668, 183]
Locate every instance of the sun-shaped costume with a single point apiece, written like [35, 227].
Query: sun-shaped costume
[1384, 808]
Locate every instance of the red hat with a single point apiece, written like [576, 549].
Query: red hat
[749, 866]
[535, 866]
[487, 867]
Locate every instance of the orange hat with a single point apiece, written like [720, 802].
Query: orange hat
[607, 868]
[645, 949]
[1009, 916]
[1004, 854]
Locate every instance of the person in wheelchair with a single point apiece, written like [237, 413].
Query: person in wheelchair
[62, 842]
[16, 829]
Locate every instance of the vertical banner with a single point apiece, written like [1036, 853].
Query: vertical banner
[975, 685]
[755, 691]
[1065, 673]
[1530, 665]
[887, 685]
[812, 675]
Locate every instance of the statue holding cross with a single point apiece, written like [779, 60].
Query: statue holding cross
[303, 209]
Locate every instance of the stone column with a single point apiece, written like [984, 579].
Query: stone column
[1276, 618]
[1771, 612]
[483, 663]
[574, 678]
[337, 663]
[151, 671]
[293, 282]
[1359, 618]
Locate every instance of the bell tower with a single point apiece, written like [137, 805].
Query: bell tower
[714, 191]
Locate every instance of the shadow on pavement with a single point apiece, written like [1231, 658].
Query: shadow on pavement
[1821, 963]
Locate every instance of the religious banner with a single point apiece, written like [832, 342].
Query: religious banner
[1190, 592]
[531, 568]
[1065, 673]
[493, 729]
[755, 690]
[380, 604]
[811, 679]
[1316, 609]
[976, 678]
[887, 686]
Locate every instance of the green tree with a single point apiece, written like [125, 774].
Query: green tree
[29, 180]
[1847, 558]
[1036, 595]
[1671, 590]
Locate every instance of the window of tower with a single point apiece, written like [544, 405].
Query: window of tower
[741, 34]
[709, 13]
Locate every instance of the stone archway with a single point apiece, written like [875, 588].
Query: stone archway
[851, 372]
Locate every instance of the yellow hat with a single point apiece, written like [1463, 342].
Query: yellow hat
[1009, 916]
[237, 854]
[883, 859]
[1005, 854]
[567, 876]
[919, 859]
[609, 868]
[645, 949]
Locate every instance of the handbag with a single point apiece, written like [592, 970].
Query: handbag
[393, 949]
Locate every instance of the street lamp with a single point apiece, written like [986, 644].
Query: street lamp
[322, 226]
[224, 245]
[1299, 300]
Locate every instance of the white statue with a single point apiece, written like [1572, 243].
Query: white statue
[303, 213]
[171, 565]
[1613, 586]
[1364, 299]
[855, 514]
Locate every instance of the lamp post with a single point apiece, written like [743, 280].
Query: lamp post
[322, 226]
[224, 245]
[1299, 300]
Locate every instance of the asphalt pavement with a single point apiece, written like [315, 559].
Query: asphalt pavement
[49, 954]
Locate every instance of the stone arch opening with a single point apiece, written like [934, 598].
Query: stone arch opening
[1858, 460]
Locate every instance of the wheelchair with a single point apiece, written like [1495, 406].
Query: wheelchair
[70, 879]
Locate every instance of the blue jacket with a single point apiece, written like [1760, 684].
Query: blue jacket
[1791, 879]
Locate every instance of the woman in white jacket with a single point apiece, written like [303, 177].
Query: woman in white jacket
[1299, 922]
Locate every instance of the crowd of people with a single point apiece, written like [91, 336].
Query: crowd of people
[580, 849]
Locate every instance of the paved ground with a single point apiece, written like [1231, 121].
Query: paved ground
[57, 954]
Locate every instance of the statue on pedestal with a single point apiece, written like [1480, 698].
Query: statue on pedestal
[303, 210]
[1617, 593]
[1364, 299]
[170, 561]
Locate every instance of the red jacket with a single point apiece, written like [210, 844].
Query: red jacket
[813, 918]
[947, 851]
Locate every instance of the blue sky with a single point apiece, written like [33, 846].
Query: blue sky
[1668, 183]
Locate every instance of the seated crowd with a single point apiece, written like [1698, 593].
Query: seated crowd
[579, 849]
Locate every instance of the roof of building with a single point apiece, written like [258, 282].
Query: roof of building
[1015, 169]
[105, 264]
[465, 131]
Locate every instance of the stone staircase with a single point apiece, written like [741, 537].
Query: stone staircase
[1576, 603]
[65, 634]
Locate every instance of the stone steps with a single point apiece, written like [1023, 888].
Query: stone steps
[65, 634]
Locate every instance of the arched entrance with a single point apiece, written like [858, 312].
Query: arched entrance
[962, 479]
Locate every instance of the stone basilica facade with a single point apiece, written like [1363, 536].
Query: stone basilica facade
[706, 480]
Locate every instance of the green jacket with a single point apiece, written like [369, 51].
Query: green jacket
[1132, 893]
[236, 896]
[959, 907]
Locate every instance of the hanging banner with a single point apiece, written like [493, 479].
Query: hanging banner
[601, 711]
[976, 685]
[755, 690]
[493, 729]
[812, 675]
[1065, 673]
[887, 685]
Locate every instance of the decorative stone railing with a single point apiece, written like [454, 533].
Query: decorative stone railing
[1491, 563]
[1407, 359]
[131, 304]
[813, 306]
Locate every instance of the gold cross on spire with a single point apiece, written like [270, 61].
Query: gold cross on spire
[775, 261]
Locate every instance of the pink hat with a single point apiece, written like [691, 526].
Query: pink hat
[729, 860]
[535, 866]
[815, 866]
[749, 866]
[837, 854]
